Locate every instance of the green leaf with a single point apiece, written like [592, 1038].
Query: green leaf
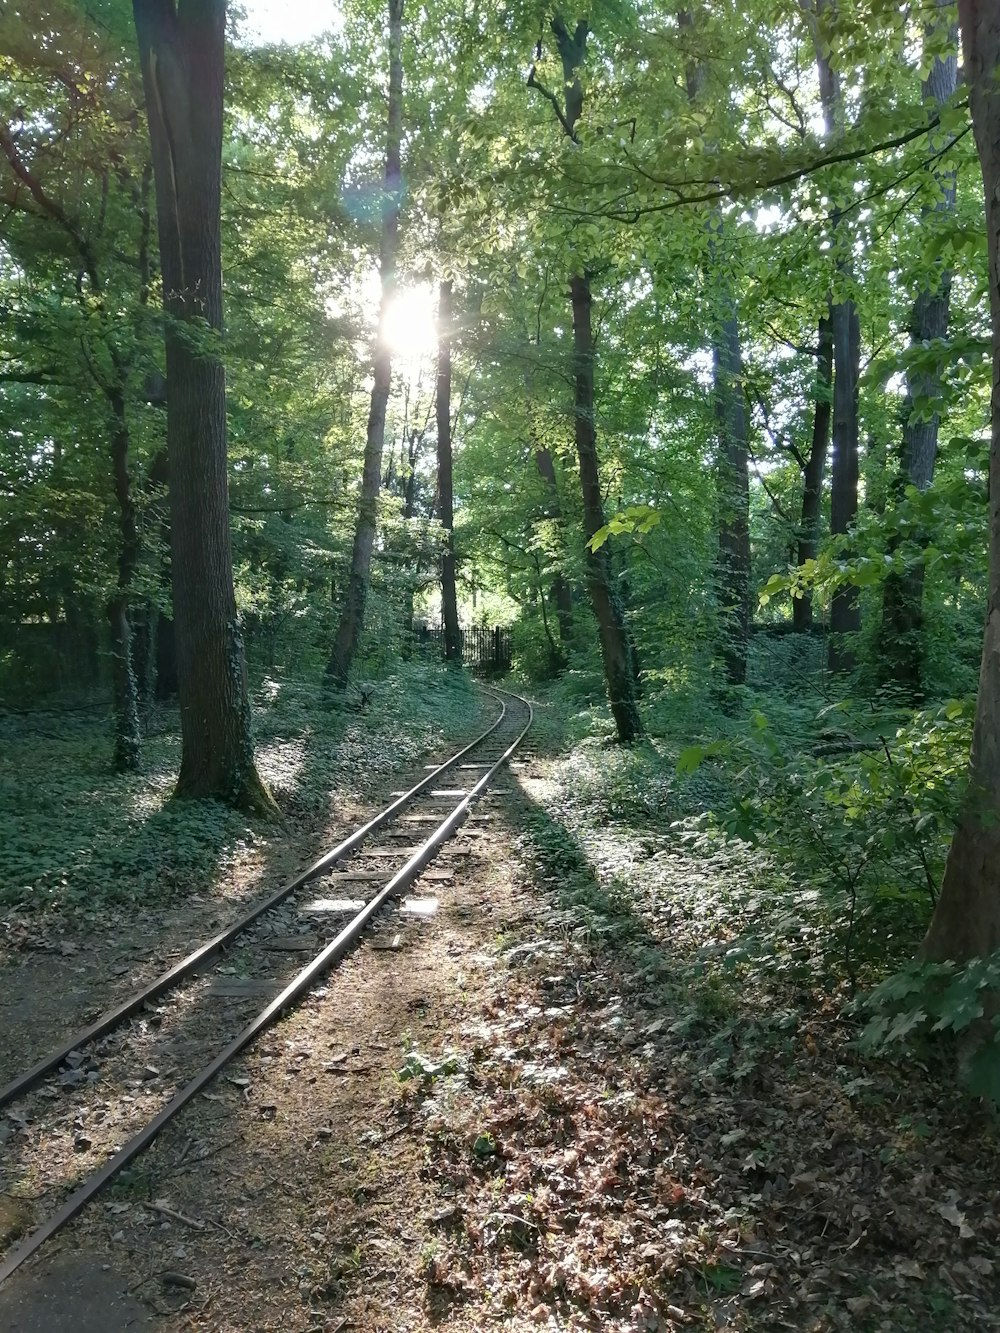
[689, 760]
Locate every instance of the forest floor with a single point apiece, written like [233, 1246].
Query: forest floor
[545, 1110]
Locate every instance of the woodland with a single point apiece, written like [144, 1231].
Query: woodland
[662, 336]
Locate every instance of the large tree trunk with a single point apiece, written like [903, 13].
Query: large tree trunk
[966, 922]
[182, 52]
[813, 472]
[446, 499]
[616, 650]
[352, 616]
[128, 745]
[733, 574]
[901, 658]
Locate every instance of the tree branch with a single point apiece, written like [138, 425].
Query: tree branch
[551, 97]
[50, 207]
[681, 200]
[50, 375]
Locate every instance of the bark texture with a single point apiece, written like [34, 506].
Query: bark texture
[902, 610]
[616, 649]
[352, 617]
[446, 496]
[966, 921]
[617, 655]
[182, 51]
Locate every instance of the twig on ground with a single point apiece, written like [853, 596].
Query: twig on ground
[176, 1216]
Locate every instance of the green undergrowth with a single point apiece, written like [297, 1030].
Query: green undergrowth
[846, 807]
[77, 837]
[784, 848]
[713, 963]
[679, 935]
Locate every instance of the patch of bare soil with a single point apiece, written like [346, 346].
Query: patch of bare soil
[502, 1123]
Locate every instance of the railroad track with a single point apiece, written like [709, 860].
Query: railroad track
[176, 1019]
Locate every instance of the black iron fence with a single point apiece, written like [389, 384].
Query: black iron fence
[485, 648]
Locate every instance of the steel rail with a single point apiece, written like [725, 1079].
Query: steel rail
[113, 1018]
[297, 987]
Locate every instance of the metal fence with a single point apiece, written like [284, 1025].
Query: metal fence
[485, 648]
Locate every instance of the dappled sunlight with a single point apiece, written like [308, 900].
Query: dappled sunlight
[281, 762]
[641, 357]
[720, 1136]
[420, 907]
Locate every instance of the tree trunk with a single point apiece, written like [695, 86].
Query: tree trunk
[446, 500]
[845, 609]
[562, 593]
[352, 616]
[408, 455]
[966, 921]
[167, 684]
[616, 653]
[128, 745]
[182, 52]
[620, 674]
[161, 638]
[812, 473]
[733, 574]
[144, 625]
[901, 658]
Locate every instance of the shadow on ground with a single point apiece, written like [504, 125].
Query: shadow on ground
[689, 1143]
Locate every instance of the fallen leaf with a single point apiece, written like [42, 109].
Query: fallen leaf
[909, 1268]
[951, 1213]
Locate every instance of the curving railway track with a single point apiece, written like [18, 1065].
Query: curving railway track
[163, 1043]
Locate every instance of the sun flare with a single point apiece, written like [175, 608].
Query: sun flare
[411, 324]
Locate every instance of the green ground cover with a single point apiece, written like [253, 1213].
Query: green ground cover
[77, 837]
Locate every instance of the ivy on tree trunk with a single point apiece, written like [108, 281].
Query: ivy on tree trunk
[813, 469]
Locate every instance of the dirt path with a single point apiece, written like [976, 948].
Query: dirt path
[516, 1120]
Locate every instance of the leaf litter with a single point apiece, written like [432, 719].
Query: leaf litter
[577, 1125]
